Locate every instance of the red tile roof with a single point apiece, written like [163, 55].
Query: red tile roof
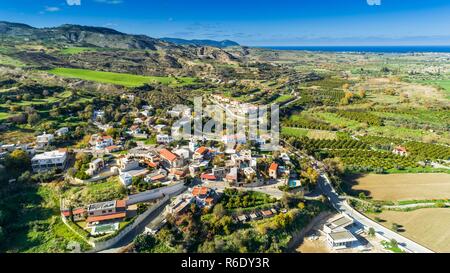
[208, 176]
[152, 164]
[112, 148]
[79, 211]
[200, 191]
[168, 155]
[401, 149]
[119, 215]
[158, 177]
[66, 213]
[273, 167]
[202, 150]
[121, 204]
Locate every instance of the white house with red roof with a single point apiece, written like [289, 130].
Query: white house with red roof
[170, 159]
[400, 150]
[273, 171]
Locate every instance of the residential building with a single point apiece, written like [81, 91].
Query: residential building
[341, 239]
[62, 131]
[44, 140]
[95, 166]
[125, 164]
[399, 150]
[106, 212]
[126, 179]
[232, 176]
[208, 177]
[78, 214]
[101, 142]
[50, 160]
[204, 196]
[273, 171]
[164, 139]
[337, 234]
[170, 159]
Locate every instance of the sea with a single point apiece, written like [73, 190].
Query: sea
[367, 49]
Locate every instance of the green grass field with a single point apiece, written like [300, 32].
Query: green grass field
[296, 132]
[283, 98]
[4, 116]
[77, 50]
[445, 84]
[127, 80]
[6, 60]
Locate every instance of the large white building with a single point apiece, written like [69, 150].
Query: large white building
[49, 160]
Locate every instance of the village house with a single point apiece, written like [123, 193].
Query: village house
[232, 176]
[106, 212]
[273, 171]
[180, 204]
[78, 214]
[126, 179]
[62, 131]
[101, 142]
[219, 172]
[337, 234]
[201, 153]
[125, 164]
[208, 177]
[204, 196]
[170, 159]
[400, 150]
[44, 140]
[159, 127]
[50, 160]
[164, 139]
[95, 166]
[113, 149]
[159, 175]
[98, 114]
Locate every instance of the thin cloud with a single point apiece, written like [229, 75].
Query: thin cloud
[73, 2]
[52, 9]
[110, 2]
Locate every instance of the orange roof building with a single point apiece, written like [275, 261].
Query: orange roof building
[108, 217]
[168, 155]
[273, 167]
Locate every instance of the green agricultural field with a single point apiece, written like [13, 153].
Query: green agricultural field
[283, 98]
[127, 80]
[4, 116]
[77, 50]
[445, 84]
[6, 60]
[296, 132]
[314, 134]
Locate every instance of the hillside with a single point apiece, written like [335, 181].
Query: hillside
[219, 44]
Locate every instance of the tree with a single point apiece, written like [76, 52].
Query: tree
[371, 232]
[219, 211]
[33, 118]
[18, 160]
[144, 243]
[312, 175]
[334, 166]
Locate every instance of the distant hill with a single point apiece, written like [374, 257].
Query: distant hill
[98, 36]
[220, 44]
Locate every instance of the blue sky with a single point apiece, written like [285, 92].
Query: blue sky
[251, 22]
